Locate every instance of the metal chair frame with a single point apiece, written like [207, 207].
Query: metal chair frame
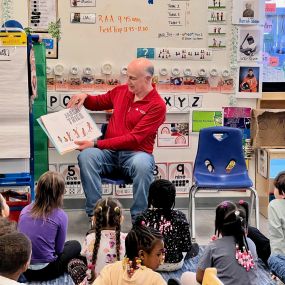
[220, 145]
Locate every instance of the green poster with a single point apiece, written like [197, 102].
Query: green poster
[205, 119]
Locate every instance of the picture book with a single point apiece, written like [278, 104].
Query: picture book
[67, 126]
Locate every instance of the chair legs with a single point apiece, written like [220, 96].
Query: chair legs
[191, 211]
[192, 207]
[256, 198]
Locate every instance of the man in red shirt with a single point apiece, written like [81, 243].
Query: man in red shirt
[138, 111]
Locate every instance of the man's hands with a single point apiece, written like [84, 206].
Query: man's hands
[77, 100]
[84, 144]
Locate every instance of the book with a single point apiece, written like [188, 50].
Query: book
[69, 125]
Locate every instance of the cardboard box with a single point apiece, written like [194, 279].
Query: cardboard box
[267, 128]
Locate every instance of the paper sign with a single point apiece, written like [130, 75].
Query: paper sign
[82, 18]
[124, 190]
[173, 135]
[145, 52]
[57, 101]
[5, 54]
[71, 174]
[270, 8]
[160, 170]
[83, 3]
[205, 119]
[180, 173]
[273, 61]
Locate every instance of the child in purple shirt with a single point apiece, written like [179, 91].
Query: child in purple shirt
[45, 223]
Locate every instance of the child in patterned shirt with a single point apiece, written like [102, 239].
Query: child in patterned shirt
[171, 223]
[104, 243]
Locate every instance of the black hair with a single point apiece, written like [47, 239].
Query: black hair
[232, 220]
[162, 195]
[107, 214]
[279, 182]
[139, 238]
[15, 252]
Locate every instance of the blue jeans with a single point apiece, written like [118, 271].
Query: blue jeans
[276, 264]
[137, 165]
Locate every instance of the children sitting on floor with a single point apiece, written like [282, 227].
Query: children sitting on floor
[45, 223]
[233, 254]
[172, 224]
[15, 255]
[144, 253]
[104, 243]
[276, 219]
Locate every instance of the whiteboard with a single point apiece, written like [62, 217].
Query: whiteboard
[123, 26]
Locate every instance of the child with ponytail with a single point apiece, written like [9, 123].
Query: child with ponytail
[104, 243]
[233, 254]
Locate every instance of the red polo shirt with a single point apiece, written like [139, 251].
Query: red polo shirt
[133, 125]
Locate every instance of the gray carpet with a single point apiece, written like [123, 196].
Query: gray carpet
[189, 265]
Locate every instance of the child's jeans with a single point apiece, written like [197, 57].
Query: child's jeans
[276, 264]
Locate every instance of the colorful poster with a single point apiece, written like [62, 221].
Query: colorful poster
[173, 135]
[205, 119]
[249, 82]
[238, 117]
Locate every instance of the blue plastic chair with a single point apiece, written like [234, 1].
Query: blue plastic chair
[220, 165]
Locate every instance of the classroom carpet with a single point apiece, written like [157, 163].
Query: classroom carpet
[264, 277]
[189, 265]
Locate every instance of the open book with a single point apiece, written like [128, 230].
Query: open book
[69, 125]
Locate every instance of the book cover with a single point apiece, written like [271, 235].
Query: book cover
[67, 126]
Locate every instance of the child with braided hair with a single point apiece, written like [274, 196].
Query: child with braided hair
[144, 253]
[104, 243]
[172, 224]
[234, 255]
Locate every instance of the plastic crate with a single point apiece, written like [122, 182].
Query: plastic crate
[16, 201]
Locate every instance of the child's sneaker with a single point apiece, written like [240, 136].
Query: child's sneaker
[193, 251]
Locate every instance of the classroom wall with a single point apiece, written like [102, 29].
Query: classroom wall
[93, 45]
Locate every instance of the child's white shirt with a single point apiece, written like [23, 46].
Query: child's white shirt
[107, 249]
